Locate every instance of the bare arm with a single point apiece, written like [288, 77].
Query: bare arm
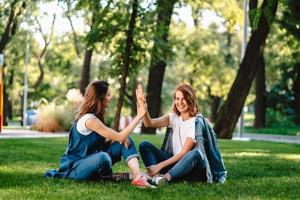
[97, 126]
[188, 145]
[156, 122]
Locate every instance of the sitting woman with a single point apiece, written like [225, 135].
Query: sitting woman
[186, 159]
[93, 147]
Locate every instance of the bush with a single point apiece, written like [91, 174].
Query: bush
[276, 119]
[53, 118]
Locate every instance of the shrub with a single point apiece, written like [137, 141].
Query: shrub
[276, 119]
[54, 118]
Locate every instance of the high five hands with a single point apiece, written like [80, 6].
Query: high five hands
[141, 101]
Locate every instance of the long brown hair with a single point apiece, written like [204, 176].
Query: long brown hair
[189, 96]
[93, 100]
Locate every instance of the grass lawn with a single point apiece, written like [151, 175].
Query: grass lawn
[276, 131]
[256, 170]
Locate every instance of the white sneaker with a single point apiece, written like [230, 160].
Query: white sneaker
[159, 181]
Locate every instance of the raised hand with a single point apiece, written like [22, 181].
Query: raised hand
[141, 108]
[140, 94]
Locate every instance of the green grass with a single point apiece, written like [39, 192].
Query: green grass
[276, 131]
[256, 170]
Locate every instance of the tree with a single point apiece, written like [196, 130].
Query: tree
[126, 62]
[101, 29]
[15, 9]
[290, 21]
[260, 93]
[40, 56]
[260, 80]
[159, 57]
[238, 93]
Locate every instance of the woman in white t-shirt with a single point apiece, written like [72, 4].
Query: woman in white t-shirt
[93, 147]
[184, 160]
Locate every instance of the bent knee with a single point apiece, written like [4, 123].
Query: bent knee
[197, 157]
[144, 145]
[104, 159]
[131, 140]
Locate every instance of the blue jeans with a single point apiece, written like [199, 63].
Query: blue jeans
[190, 167]
[100, 163]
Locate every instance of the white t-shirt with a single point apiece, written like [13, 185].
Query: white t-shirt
[81, 128]
[181, 130]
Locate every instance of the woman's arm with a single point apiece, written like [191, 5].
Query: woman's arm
[188, 145]
[156, 122]
[148, 122]
[96, 125]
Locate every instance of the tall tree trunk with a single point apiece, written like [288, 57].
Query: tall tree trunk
[9, 32]
[214, 107]
[41, 76]
[158, 60]
[127, 54]
[296, 91]
[12, 24]
[238, 93]
[260, 92]
[85, 73]
[40, 56]
[7, 112]
[133, 97]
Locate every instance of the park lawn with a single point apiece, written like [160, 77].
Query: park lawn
[256, 170]
[275, 131]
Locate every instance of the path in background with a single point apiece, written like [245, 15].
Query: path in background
[268, 137]
[20, 133]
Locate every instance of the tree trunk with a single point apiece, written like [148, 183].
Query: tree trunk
[85, 73]
[296, 91]
[127, 54]
[9, 32]
[40, 56]
[11, 26]
[133, 97]
[158, 60]
[7, 112]
[238, 93]
[260, 91]
[214, 107]
[41, 76]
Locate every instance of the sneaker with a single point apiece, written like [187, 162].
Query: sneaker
[117, 177]
[142, 183]
[159, 181]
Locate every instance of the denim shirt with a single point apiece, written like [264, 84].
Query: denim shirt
[206, 143]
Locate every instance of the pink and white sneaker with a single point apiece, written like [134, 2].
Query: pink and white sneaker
[142, 183]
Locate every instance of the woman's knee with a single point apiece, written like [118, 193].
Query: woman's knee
[197, 157]
[131, 140]
[144, 145]
[104, 160]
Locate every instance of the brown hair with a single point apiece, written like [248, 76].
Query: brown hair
[93, 100]
[189, 96]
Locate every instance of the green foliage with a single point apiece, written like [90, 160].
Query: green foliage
[275, 119]
[254, 15]
[261, 170]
